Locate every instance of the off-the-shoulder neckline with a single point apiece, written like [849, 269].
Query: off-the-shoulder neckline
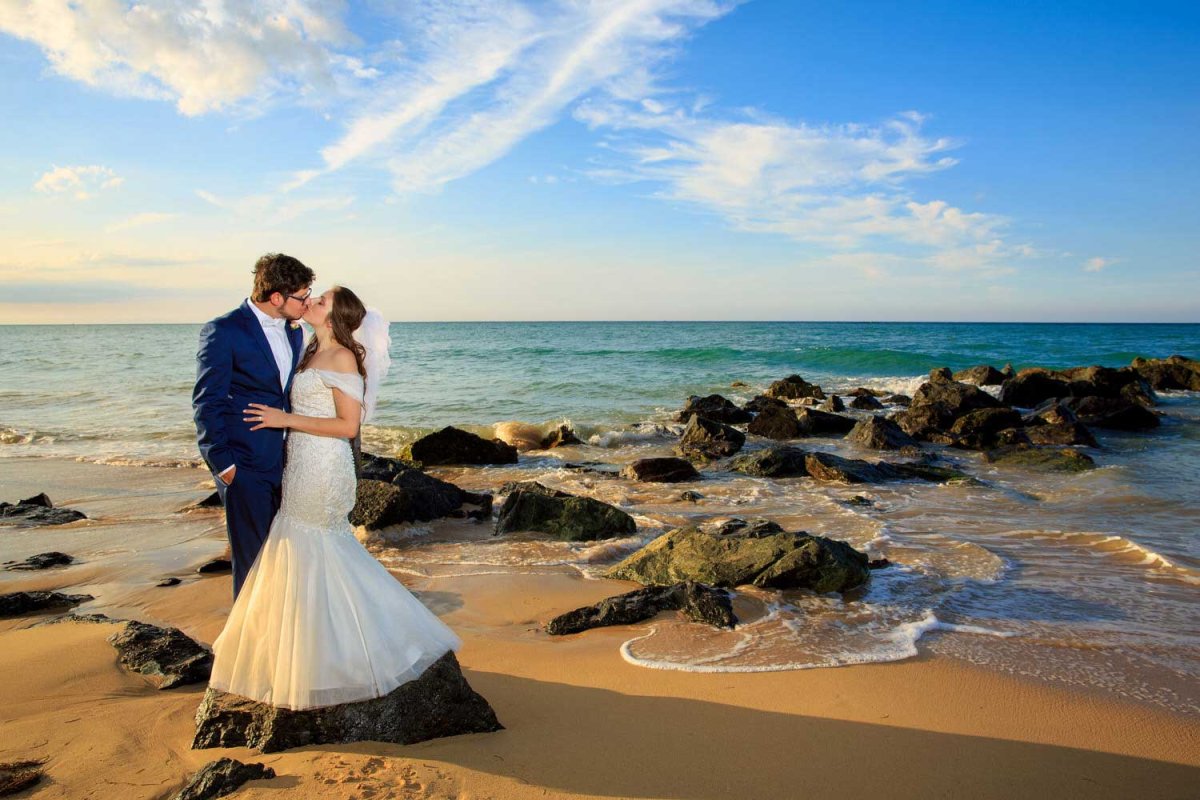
[330, 371]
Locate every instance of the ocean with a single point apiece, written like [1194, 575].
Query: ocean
[1089, 579]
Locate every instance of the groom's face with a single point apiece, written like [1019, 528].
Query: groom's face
[292, 306]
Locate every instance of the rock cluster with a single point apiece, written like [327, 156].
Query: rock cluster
[36, 511]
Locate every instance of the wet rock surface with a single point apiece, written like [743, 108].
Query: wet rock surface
[714, 407]
[40, 561]
[438, 703]
[392, 492]
[451, 445]
[37, 511]
[531, 506]
[661, 470]
[706, 440]
[166, 656]
[19, 604]
[697, 601]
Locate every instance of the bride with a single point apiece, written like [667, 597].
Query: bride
[319, 621]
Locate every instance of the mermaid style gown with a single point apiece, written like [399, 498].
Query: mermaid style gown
[319, 621]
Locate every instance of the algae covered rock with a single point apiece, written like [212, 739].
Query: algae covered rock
[531, 506]
[1041, 458]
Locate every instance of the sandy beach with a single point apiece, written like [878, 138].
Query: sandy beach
[579, 720]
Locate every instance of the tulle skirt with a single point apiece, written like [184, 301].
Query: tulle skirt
[320, 622]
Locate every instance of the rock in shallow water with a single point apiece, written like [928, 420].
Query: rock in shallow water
[222, 777]
[780, 560]
[714, 407]
[699, 602]
[439, 703]
[166, 656]
[19, 604]
[661, 470]
[705, 439]
[37, 511]
[794, 387]
[40, 561]
[878, 433]
[531, 506]
[451, 445]
[1044, 458]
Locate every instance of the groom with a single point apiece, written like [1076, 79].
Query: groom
[248, 356]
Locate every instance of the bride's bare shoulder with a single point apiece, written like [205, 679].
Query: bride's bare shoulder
[342, 360]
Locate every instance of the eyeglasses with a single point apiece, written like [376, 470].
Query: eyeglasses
[307, 295]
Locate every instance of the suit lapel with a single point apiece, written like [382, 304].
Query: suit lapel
[254, 328]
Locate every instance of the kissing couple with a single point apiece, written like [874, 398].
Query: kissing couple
[316, 620]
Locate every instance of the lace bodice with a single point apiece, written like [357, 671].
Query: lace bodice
[319, 487]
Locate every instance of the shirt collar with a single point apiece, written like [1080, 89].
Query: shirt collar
[266, 321]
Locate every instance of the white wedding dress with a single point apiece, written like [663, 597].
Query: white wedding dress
[319, 621]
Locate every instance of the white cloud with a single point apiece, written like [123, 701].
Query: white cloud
[82, 182]
[204, 56]
[1097, 264]
[276, 209]
[140, 220]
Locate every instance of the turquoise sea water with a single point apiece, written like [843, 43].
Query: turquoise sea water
[1089, 579]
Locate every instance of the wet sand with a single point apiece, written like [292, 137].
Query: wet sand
[580, 721]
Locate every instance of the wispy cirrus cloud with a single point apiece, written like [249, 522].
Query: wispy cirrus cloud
[140, 220]
[1097, 264]
[81, 182]
[842, 186]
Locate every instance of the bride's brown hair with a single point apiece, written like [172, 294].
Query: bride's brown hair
[345, 315]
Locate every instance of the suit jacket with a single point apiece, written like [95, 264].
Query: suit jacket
[235, 367]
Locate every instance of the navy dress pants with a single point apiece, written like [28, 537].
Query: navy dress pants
[251, 502]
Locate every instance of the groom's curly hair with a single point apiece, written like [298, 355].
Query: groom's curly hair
[276, 272]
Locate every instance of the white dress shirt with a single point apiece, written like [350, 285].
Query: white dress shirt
[276, 333]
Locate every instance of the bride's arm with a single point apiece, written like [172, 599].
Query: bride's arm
[343, 426]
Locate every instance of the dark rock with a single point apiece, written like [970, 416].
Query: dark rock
[941, 375]
[714, 407]
[661, 470]
[690, 496]
[866, 403]
[774, 462]
[439, 703]
[793, 387]
[775, 423]
[878, 563]
[453, 446]
[1061, 433]
[778, 561]
[166, 656]
[222, 777]
[936, 405]
[1051, 412]
[172, 581]
[739, 385]
[898, 400]
[878, 433]
[20, 604]
[859, 500]
[706, 439]
[813, 422]
[1043, 458]
[391, 492]
[1032, 387]
[828, 467]
[592, 467]
[699, 602]
[1124, 383]
[560, 437]
[755, 528]
[833, 404]
[16, 776]
[1177, 373]
[212, 501]
[37, 511]
[530, 506]
[983, 375]
[979, 429]
[40, 561]
[1114, 413]
[863, 391]
[215, 566]
[761, 403]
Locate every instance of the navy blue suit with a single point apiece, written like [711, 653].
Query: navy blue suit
[235, 367]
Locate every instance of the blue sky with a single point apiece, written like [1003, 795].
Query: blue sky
[614, 159]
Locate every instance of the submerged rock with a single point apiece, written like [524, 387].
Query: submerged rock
[40, 561]
[1042, 458]
[438, 703]
[559, 437]
[451, 445]
[690, 496]
[714, 407]
[828, 467]
[779, 561]
[705, 439]
[879, 433]
[20, 604]
[814, 422]
[530, 506]
[774, 462]
[222, 777]
[775, 422]
[793, 387]
[37, 511]
[167, 656]
[661, 470]
[699, 602]
[1178, 373]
